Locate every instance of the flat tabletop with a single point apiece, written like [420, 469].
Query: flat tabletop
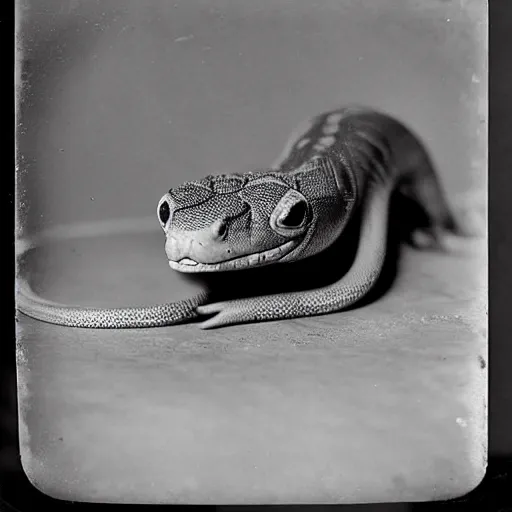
[384, 402]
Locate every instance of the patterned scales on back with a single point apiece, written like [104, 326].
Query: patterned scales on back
[340, 163]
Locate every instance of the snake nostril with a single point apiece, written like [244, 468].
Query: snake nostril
[164, 212]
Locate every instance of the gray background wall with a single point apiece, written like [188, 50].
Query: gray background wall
[122, 99]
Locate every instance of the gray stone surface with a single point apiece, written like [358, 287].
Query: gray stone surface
[385, 402]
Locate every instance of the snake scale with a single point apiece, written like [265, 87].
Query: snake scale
[338, 164]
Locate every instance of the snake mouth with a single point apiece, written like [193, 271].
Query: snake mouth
[242, 262]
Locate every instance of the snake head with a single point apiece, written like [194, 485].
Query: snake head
[238, 221]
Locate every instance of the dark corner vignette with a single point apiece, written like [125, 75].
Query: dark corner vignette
[17, 493]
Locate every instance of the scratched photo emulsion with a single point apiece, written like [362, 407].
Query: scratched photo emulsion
[251, 247]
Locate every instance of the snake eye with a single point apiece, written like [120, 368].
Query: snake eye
[290, 216]
[164, 212]
[295, 216]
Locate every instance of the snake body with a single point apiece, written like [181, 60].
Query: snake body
[345, 162]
